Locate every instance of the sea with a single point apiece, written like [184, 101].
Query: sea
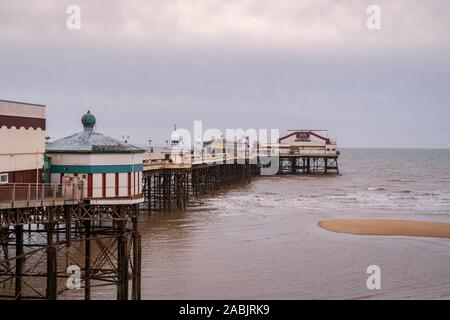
[262, 240]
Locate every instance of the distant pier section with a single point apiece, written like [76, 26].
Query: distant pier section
[178, 173]
[297, 152]
[308, 151]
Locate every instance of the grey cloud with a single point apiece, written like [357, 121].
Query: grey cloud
[367, 93]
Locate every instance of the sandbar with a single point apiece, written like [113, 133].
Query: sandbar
[385, 227]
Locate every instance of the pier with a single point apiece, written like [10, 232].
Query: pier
[170, 187]
[299, 154]
[69, 218]
[40, 244]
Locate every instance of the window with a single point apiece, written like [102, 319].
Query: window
[3, 178]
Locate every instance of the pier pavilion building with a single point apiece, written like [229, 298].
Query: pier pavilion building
[109, 169]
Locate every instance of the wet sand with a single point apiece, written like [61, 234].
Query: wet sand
[389, 227]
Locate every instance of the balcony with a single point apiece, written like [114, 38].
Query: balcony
[26, 195]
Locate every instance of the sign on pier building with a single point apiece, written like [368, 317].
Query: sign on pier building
[109, 169]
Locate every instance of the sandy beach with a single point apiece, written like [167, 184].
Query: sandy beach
[384, 227]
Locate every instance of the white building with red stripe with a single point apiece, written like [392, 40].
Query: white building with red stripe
[110, 170]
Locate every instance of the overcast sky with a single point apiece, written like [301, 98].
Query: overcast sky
[141, 66]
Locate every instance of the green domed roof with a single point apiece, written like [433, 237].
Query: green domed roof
[88, 120]
[89, 141]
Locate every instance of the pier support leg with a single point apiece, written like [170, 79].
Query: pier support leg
[19, 261]
[4, 245]
[122, 258]
[87, 261]
[137, 254]
[51, 264]
[68, 217]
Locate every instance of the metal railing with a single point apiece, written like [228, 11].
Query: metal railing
[309, 152]
[207, 157]
[39, 192]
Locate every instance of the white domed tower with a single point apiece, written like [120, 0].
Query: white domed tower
[110, 170]
[177, 151]
[175, 138]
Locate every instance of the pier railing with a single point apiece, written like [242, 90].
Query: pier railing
[18, 195]
[250, 155]
[309, 152]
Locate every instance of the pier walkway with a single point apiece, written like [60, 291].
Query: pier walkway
[26, 195]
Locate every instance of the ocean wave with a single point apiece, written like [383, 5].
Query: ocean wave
[407, 198]
[365, 199]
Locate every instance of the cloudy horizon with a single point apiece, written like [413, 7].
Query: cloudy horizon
[143, 66]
